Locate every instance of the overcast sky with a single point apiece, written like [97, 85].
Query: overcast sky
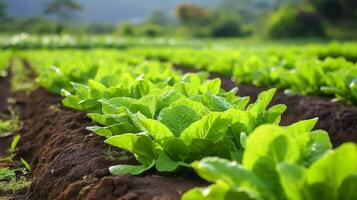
[111, 11]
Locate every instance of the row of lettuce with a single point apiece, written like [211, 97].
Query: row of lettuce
[297, 70]
[327, 69]
[4, 62]
[170, 121]
[28, 41]
[321, 48]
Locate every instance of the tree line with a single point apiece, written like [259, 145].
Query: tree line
[231, 18]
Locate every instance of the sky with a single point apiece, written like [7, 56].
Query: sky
[109, 11]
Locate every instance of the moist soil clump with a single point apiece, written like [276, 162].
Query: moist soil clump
[5, 141]
[337, 118]
[4, 112]
[70, 162]
[5, 92]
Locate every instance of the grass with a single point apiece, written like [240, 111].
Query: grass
[14, 186]
[21, 80]
[8, 126]
[10, 184]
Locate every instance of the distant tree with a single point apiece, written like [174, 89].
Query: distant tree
[350, 8]
[63, 9]
[37, 25]
[331, 9]
[2, 10]
[250, 10]
[99, 28]
[149, 30]
[158, 17]
[289, 22]
[226, 23]
[336, 9]
[190, 14]
[229, 28]
[125, 29]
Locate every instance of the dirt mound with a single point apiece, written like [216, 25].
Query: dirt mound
[4, 92]
[4, 112]
[71, 163]
[337, 118]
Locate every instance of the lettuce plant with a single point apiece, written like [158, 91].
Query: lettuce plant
[187, 131]
[169, 122]
[282, 163]
[342, 83]
[306, 71]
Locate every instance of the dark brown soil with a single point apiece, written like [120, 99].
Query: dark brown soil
[4, 92]
[337, 118]
[4, 112]
[71, 163]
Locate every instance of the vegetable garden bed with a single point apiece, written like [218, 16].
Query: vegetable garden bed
[4, 90]
[4, 93]
[70, 162]
[142, 107]
[10, 188]
[337, 118]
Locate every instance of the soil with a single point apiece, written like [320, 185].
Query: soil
[337, 118]
[70, 162]
[4, 92]
[5, 95]
[4, 112]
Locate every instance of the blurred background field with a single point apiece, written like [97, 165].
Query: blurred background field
[252, 20]
[139, 68]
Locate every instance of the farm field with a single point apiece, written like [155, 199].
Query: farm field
[177, 119]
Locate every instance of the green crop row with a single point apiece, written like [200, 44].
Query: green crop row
[169, 120]
[272, 169]
[141, 101]
[4, 61]
[297, 70]
[27, 41]
[320, 48]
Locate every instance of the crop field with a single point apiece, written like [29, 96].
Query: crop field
[100, 118]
